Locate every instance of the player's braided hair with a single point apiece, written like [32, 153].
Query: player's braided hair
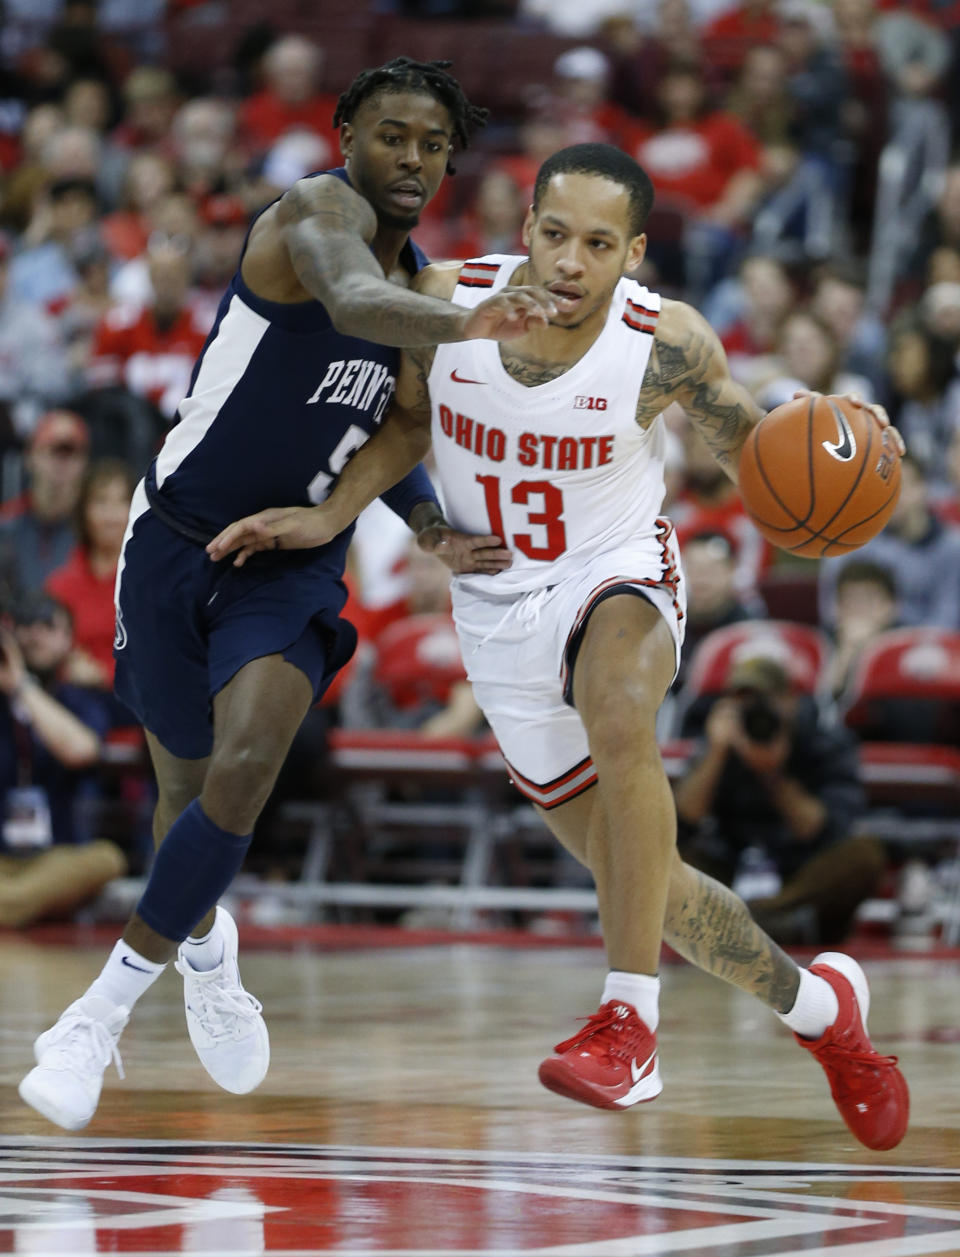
[403, 74]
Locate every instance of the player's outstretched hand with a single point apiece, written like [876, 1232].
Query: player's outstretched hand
[464, 552]
[279, 528]
[879, 412]
[511, 313]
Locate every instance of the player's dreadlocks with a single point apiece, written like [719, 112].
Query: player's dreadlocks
[403, 74]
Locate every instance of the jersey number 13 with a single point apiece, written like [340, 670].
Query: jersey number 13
[550, 518]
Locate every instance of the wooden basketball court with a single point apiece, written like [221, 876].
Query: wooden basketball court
[402, 1115]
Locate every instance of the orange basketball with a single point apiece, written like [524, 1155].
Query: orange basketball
[819, 476]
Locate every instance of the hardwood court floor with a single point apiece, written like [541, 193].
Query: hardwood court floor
[402, 1115]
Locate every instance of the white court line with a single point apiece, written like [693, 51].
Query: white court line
[180, 1210]
[913, 1246]
[60, 1145]
[659, 1182]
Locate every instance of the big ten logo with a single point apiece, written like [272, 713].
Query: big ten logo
[582, 402]
[473, 435]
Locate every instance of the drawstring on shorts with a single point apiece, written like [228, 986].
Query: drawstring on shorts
[527, 610]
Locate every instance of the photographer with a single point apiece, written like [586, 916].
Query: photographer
[49, 735]
[774, 775]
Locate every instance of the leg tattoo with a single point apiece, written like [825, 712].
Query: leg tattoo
[711, 927]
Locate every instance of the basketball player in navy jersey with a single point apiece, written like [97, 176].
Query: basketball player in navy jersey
[221, 664]
[558, 436]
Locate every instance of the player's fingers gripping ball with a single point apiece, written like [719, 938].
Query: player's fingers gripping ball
[819, 476]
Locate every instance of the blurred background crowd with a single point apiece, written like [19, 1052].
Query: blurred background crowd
[805, 160]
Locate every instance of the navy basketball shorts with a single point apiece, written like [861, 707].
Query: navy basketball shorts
[186, 626]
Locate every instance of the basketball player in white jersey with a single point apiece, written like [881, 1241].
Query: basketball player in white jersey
[555, 443]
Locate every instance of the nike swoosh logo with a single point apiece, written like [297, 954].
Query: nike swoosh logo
[845, 446]
[459, 379]
[638, 1072]
[131, 965]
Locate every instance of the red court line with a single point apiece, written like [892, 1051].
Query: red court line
[362, 937]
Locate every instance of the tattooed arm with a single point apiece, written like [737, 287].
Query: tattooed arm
[394, 450]
[315, 243]
[688, 365]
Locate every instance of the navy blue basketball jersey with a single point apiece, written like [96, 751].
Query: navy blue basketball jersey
[279, 400]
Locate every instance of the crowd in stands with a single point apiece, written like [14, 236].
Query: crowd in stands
[772, 130]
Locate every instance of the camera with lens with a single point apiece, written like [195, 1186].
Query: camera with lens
[760, 719]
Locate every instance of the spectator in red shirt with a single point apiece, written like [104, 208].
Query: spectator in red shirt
[151, 350]
[84, 584]
[706, 164]
[290, 100]
[729, 36]
[700, 157]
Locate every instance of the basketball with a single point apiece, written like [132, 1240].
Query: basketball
[819, 476]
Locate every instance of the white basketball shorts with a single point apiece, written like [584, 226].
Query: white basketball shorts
[516, 652]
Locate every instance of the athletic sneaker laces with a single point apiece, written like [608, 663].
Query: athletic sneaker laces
[223, 1010]
[854, 1072]
[80, 1043]
[611, 1061]
[608, 1033]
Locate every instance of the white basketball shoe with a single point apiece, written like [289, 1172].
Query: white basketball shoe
[224, 1021]
[72, 1057]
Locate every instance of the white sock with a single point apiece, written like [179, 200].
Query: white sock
[125, 976]
[638, 989]
[204, 954]
[815, 1009]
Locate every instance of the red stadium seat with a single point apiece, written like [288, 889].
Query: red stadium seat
[906, 688]
[904, 701]
[802, 649]
[418, 660]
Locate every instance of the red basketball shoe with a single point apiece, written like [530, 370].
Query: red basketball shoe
[611, 1063]
[868, 1089]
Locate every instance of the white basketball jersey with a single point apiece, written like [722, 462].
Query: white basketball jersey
[561, 471]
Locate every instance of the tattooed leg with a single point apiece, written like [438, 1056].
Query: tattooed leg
[705, 922]
[711, 927]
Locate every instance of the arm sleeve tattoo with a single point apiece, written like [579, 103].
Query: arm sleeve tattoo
[687, 365]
